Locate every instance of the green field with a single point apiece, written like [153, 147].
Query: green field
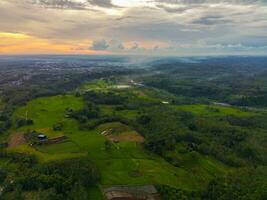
[126, 163]
[215, 110]
[96, 85]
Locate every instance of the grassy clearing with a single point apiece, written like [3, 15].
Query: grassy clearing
[104, 85]
[45, 157]
[96, 85]
[45, 112]
[61, 148]
[117, 164]
[214, 110]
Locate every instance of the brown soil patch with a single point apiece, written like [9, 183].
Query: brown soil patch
[131, 193]
[135, 173]
[16, 140]
[140, 93]
[131, 137]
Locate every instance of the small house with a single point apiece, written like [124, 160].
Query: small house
[42, 137]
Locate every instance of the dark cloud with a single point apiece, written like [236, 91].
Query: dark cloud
[60, 4]
[174, 10]
[71, 4]
[102, 3]
[112, 45]
[124, 18]
[211, 20]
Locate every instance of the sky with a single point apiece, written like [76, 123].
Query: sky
[135, 27]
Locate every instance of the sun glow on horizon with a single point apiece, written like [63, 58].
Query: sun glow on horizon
[20, 43]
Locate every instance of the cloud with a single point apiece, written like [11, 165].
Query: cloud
[135, 46]
[124, 29]
[172, 9]
[102, 3]
[99, 45]
[73, 4]
[60, 4]
[112, 45]
[116, 45]
[211, 20]
[173, 2]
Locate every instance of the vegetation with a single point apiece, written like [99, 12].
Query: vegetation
[165, 127]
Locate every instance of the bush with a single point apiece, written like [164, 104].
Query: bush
[3, 175]
[108, 98]
[58, 126]
[170, 193]
[242, 184]
[74, 170]
[23, 122]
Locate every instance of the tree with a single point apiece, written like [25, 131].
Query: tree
[3, 175]
[49, 194]
[78, 192]
[17, 194]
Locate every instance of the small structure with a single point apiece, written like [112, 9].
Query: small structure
[147, 192]
[42, 137]
[56, 140]
[122, 86]
[137, 84]
[221, 104]
[165, 102]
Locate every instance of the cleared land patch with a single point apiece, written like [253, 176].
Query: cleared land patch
[16, 140]
[119, 132]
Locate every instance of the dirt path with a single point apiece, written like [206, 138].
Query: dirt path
[16, 140]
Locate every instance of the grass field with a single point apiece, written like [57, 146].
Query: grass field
[201, 166]
[45, 112]
[96, 85]
[117, 166]
[61, 148]
[214, 110]
[103, 85]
